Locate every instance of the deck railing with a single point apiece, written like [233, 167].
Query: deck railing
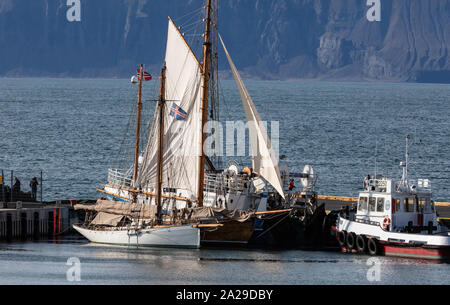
[414, 185]
[226, 183]
[117, 177]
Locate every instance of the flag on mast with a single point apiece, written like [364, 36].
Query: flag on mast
[147, 76]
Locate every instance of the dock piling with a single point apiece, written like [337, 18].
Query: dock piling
[3, 191]
[41, 186]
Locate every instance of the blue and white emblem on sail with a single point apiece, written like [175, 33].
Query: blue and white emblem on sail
[177, 112]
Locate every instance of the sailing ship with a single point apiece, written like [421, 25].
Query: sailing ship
[174, 177]
[133, 223]
[394, 218]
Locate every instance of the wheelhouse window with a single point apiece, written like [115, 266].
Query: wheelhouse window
[372, 204]
[380, 204]
[422, 202]
[407, 206]
[397, 205]
[362, 204]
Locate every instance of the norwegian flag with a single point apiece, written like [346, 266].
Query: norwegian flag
[147, 76]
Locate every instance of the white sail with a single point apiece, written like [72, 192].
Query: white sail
[263, 157]
[182, 132]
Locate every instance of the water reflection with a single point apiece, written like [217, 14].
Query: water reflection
[45, 263]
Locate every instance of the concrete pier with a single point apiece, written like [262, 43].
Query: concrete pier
[32, 220]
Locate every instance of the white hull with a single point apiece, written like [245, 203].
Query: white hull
[377, 232]
[178, 236]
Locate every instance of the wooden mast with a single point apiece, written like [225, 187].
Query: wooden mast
[204, 103]
[159, 176]
[138, 132]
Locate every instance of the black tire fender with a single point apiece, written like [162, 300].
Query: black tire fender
[372, 246]
[342, 237]
[361, 243]
[351, 240]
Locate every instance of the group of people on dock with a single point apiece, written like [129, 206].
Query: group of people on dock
[15, 189]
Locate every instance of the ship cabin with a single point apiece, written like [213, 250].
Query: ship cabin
[397, 206]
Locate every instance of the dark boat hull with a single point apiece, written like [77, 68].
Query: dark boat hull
[288, 230]
[231, 233]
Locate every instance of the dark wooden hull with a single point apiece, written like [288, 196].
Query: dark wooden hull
[288, 230]
[231, 233]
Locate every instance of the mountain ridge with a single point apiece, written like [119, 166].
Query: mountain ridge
[284, 39]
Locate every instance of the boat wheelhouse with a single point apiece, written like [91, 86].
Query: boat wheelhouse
[396, 207]
[394, 218]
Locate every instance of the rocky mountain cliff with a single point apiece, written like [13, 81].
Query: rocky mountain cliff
[268, 39]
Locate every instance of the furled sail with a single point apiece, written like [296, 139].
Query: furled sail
[263, 157]
[182, 127]
[132, 210]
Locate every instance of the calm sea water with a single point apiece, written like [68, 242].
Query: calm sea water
[72, 129]
[47, 263]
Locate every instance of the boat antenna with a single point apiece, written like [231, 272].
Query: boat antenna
[405, 164]
[386, 157]
[376, 151]
[407, 156]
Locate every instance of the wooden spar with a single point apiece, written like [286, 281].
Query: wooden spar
[138, 131]
[145, 193]
[273, 212]
[112, 194]
[159, 174]
[207, 225]
[204, 103]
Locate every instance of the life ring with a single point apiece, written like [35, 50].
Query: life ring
[386, 223]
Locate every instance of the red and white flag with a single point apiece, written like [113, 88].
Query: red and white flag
[147, 76]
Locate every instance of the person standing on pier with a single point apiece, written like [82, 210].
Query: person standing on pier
[16, 185]
[33, 184]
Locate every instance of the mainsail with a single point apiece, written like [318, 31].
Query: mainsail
[182, 129]
[263, 157]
